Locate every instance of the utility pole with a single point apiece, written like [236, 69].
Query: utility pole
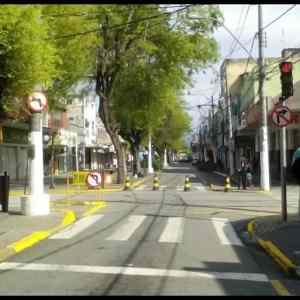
[264, 151]
[150, 167]
[230, 134]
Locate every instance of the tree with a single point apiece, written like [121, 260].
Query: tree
[176, 45]
[27, 59]
[173, 129]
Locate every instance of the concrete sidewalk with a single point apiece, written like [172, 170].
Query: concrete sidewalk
[18, 232]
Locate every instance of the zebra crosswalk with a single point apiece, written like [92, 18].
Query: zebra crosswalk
[171, 230]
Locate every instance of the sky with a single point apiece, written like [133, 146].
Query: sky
[242, 21]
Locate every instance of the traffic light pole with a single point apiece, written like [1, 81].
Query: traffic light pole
[264, 151]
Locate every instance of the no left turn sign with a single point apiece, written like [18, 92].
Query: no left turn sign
[281, 116]
[37, 102]
[93, 179]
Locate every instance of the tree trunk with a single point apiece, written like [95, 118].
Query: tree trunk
[137, 163]
[120, 152]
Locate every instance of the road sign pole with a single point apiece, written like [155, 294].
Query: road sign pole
[37, 202]
[283, 173]
[283, 168]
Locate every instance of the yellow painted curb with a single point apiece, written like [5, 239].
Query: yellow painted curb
[280, 289]
[250, 228]
[92, 210]
[135, 184]
[37, 236]
[283, 261]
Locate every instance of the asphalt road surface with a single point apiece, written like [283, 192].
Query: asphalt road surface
[145, 242]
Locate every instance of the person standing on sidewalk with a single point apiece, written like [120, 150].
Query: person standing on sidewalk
[249, 175]
[242, 175]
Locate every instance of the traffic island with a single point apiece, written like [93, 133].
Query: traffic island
[279, 240]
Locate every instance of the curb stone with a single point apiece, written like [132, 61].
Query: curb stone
[278, 256]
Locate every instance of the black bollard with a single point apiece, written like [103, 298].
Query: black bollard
[4, 191]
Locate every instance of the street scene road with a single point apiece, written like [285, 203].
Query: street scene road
[145, 242]
[149, 149]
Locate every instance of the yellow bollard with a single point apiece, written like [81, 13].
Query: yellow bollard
[227, 186]
[187, 184]
[155, 183]
[127, 183]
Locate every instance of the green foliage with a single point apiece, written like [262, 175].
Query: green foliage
[76, 54]
[26, 58]
[158, 68]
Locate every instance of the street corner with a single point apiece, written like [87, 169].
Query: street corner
[15, 242]
[260, 230]
[35, 237]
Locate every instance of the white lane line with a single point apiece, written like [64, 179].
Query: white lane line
[226, 232]
[77, 227]
[173, 232]
[126, 230]
[200, 188]
[258, 277]
[221, 174]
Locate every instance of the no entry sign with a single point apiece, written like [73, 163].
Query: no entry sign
[281, 116]
[93, 179]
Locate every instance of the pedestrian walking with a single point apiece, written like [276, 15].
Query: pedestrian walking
[243, 175]
[249, 177]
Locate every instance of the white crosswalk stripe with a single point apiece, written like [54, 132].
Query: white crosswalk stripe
[126, 230]
[173, 232]
[225, 232]
[77, 227]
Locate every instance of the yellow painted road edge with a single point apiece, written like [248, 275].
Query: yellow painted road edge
[277, 255]
[280, 289]
[284, 262]
[38, 236]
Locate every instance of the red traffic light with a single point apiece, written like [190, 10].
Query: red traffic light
[286, 67]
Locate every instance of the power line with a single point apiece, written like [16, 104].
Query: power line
[233, 41]
[251, 49]
[164, 14]
[279, 17]
[242, 29]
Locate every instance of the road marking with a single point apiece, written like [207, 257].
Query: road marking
[221, 174]
[280, 289]
[257, 277]
[226, 232]
[126, 230]
[142, 187]
[200, 188]
[77, 227]
[173, 232]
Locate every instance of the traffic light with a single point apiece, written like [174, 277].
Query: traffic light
[286, 77]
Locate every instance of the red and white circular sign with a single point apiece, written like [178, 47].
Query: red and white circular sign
[93, 179]
[281, 116]
[37, 102]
